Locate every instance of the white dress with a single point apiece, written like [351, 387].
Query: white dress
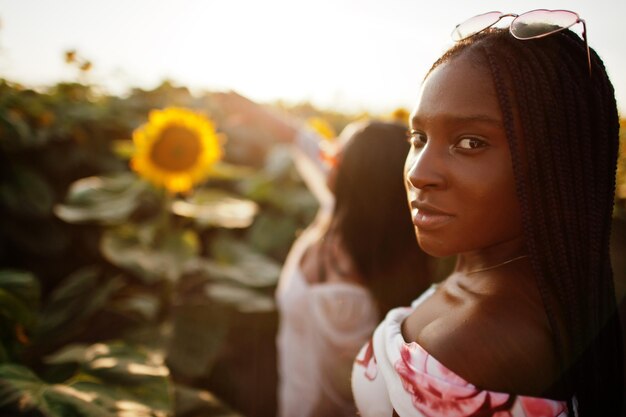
[322, 326]
[392, 374]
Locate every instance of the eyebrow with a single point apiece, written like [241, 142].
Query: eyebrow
[482, 118]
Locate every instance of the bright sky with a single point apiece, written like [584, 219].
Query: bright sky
[347, 54]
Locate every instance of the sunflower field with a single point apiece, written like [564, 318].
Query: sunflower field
[140, 246]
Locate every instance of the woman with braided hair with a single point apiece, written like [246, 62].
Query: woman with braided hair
[514, 143]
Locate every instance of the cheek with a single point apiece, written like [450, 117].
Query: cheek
[488, 213]
[494, 210]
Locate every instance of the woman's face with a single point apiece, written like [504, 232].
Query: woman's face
[458, 173]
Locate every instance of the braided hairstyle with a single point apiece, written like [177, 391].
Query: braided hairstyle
[562, 127]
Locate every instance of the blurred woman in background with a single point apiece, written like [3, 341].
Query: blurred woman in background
[358, 259]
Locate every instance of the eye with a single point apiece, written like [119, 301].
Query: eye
[417, 139]
[470, 143]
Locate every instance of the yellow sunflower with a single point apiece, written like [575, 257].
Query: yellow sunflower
[400, 115]
[175, 149]
[322, 127]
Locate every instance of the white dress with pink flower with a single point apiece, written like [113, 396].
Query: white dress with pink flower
[390, 374]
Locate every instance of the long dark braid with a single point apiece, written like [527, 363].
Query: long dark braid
[563, 128]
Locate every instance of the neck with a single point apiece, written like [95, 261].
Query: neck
[493, 259]
[495, 266]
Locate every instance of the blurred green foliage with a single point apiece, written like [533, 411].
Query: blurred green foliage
[118, 299]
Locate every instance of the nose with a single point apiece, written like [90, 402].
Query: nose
[425, 168]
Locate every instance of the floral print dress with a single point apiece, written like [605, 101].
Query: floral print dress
[390, 374]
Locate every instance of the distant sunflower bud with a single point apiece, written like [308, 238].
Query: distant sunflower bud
[70, 56]
[86, 66]
[400, 115]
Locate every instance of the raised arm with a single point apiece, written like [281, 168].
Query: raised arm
[241, 111]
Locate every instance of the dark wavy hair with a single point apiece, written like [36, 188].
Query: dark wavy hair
[562, 126]
[372, 215]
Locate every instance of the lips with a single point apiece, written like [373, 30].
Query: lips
[427, 217]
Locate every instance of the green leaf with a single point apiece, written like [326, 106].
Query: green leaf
[216, 208]
[106, 200]
[192, 401]
[114, 361]
[255, 269]
[22, 389]
[245, 300]
[136, 379]
[225, 171]
[19, 303]
[293, 200]
[197, 336]
[257, 188]
[16, 132]
[289, 197]
[164, 259]
[25, 192]
[271, 233]
[123, 148]
[22, 284]
[243, 274]
[15, 309]
[114, 379]
[72, 353]
[76, 299]
[144, 305]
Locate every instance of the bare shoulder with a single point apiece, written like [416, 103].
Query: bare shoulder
[496, 344]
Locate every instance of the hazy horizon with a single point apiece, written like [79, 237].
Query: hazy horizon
[345, 55]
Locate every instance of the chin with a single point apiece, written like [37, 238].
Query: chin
[434, 247]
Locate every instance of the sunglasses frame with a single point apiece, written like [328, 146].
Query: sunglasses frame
[457, 37]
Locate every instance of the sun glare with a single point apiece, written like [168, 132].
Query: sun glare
[355, 55]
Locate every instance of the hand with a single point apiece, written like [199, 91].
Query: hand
[242, 112]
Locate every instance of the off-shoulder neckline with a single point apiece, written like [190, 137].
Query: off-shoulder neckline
[396, 317]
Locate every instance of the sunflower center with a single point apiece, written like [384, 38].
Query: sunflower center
[177, 149]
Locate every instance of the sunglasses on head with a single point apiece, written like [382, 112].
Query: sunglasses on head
[530, 25]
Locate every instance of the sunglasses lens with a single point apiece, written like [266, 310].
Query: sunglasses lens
[474, 25]
[538, 23]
